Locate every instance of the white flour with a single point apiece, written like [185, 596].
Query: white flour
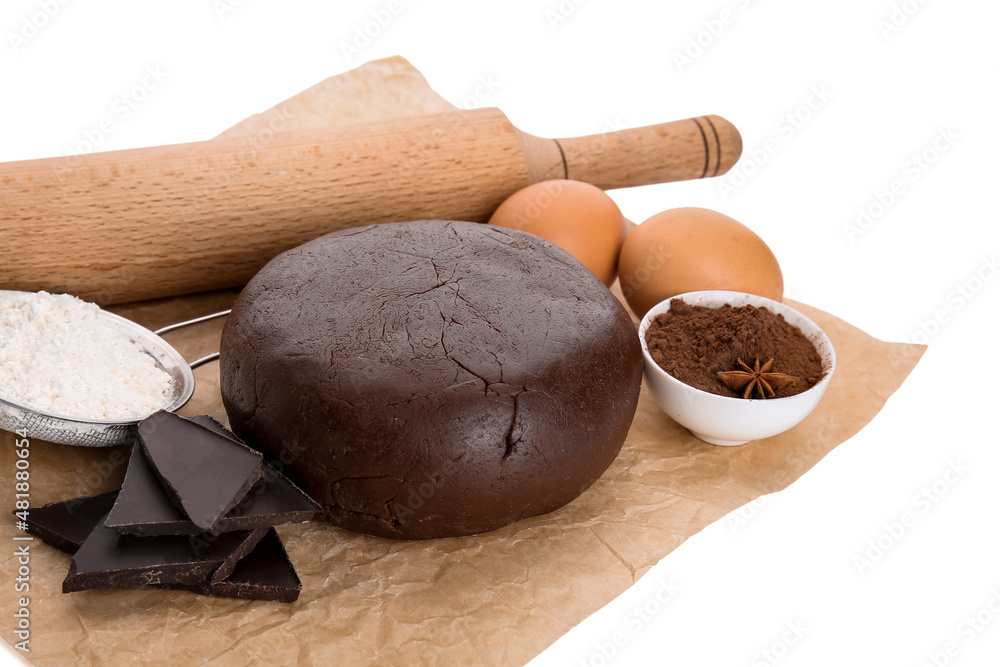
[57, 355]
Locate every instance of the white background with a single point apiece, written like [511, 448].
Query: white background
[891, 75]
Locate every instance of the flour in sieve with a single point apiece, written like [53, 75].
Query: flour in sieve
[57, 355]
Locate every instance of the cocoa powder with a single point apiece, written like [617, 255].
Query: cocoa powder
[694, 343]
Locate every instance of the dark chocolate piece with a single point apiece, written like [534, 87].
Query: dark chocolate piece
[145, 509]
[107, 559]
[213, 424]
[233, 559]
[203, 472]
[430, 378]
[266, 574]
[67, 523]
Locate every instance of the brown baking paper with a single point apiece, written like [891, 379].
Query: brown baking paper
[493, 599]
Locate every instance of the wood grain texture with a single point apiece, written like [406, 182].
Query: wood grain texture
[680, 150]
[152, 222]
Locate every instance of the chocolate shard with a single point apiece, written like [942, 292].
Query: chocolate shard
[67, 523]
[203, 472]
[233, 559]
[143, 501]
[144, 508]
[107, 559]
[265, 574]
[273, 501]
[214, 424]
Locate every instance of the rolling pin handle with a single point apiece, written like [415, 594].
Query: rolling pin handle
[680, 150]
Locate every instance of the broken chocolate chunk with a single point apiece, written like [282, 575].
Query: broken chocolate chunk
[204, 473]
[67, 523]
[265, 574]
[145, 509]
[213, 424]
[231, 561]
[107, 559]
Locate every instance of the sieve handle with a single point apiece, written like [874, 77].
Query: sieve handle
[204, 360]
[198, 320]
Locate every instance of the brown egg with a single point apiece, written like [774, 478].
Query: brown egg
[690, 249]
[578, 217]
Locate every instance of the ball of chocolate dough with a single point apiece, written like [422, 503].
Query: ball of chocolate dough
[431, 378]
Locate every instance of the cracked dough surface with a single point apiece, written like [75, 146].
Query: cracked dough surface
[432, 378]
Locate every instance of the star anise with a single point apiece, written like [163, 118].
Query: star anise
[758, 379]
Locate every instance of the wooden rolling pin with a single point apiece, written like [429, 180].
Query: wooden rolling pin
[151, 222]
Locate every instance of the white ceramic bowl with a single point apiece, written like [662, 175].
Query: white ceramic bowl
[722, 420]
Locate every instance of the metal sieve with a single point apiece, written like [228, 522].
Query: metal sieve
[70, 430]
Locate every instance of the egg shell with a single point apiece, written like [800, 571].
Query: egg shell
[691, 249]
[578, 217]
